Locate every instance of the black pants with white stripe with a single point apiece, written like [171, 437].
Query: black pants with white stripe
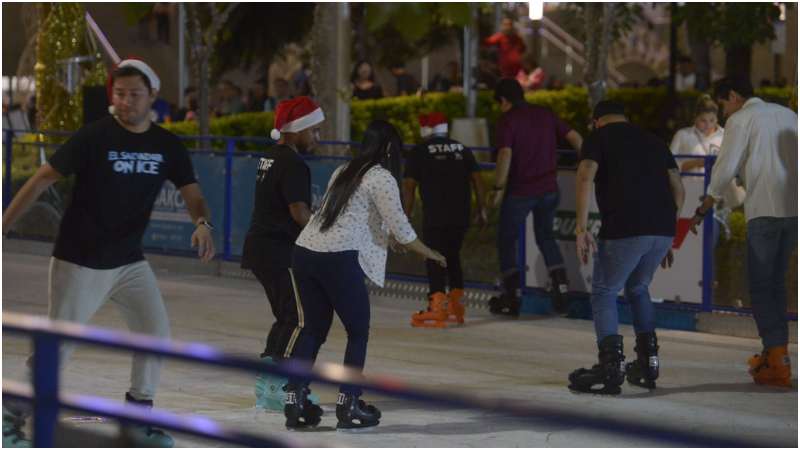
[279, 287]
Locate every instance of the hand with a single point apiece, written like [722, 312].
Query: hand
[668, 260]
[696, 220]
[438, 258]
[584, 244]
[202, 239]
[397, 247]
[482, 218]
[496, 198]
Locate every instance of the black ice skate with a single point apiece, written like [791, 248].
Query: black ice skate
[508, 302]
[559, 290]
[606, 377]
[298, 409]
[643, 371]
[354, 413]
[504, 305]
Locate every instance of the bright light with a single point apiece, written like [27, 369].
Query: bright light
[535, 10]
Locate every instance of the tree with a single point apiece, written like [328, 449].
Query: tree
[404, 31]
[599, 19]
[62, 35]
[204, 21]
[246, 40]
[735, 26]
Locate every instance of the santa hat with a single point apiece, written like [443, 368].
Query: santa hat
[141, 66]
[433, 123]
[295, 115]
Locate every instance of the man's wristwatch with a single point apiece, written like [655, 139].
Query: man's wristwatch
[206, 224]
[498, 188]
[579, 230]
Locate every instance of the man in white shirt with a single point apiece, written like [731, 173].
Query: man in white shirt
[760, 148]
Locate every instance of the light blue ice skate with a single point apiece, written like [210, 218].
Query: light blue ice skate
[269, 390]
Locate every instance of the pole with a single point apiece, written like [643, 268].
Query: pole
[9, 139]
[230, 148]
[45, 386]
[708, 244]
[182, 79]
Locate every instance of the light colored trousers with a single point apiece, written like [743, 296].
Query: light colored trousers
[77, 292]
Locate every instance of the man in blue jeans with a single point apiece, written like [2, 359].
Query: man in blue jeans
[526, 182]
[760, 149]
[639, 194]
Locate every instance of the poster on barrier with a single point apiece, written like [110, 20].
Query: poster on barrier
[682, 282]
[171, 228]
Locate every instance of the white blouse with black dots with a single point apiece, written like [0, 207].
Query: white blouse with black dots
[372, 214]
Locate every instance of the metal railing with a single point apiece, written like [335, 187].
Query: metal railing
[48, 400]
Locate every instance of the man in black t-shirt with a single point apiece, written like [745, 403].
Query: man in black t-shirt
[639, 194]
[444, 170]
[120, 163]
[280, 211]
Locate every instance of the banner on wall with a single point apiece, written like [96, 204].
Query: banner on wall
[682, 282]
[171, 228]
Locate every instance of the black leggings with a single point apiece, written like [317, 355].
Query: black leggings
[446, 241]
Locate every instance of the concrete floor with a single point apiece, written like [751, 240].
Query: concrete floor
[703, 387]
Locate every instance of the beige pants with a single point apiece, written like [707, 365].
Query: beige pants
[77, 292]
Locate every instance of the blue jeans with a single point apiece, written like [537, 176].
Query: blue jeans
[770, 243]
[628, 263]
[513, 213]
[329, 282]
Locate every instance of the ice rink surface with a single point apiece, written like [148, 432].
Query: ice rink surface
[704, 386]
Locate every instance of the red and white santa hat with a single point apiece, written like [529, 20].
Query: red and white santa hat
[433, 123]
[295, 115]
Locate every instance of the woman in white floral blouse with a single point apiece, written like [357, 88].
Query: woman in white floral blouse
[345, 241]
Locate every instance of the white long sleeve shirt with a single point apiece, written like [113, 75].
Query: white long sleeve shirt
[760, 147]
[372, 214]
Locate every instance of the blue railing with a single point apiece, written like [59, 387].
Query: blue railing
[230, 152]
[48, 400]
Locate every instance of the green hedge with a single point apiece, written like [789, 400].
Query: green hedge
[646, 107]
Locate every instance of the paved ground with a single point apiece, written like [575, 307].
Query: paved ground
[703, 387]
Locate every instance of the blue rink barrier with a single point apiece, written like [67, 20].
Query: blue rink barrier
[226, 179]
[47, 398]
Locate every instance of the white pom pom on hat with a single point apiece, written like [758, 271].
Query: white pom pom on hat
[295, 115]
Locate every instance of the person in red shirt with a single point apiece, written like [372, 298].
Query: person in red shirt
[511, 48]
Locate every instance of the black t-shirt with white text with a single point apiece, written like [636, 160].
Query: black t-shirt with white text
[118, 177]
[632, 184]
[443, 168]
[282, 178]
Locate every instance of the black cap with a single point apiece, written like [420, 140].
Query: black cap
[607, 107]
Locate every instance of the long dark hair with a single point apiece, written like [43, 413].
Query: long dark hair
[381, 145]
[354, 73]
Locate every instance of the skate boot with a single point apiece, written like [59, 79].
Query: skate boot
[144, 435]
[606, 377]
[508, 303]
[13, 436]
[643, 371]
[270, 392]
[353, 413]
[455, 309]
[504, 305]
[772, 367]
[436, 314]
[560, 288]
[299, 411]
